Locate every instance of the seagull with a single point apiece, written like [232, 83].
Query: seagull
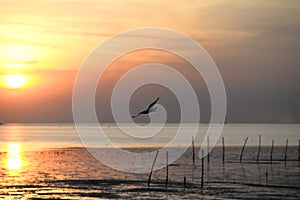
[151, 108]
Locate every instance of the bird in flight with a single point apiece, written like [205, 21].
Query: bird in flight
[151, 108]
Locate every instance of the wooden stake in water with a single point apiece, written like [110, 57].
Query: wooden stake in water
[208, 150]
[202, 171]
[193, 146]
[223, 142]
[267, 176]
[184, 182]
[167, 169]
[259, 145]
[286, 148]
[241, 157]
[271, 156]
[149, 178]
[299, 151]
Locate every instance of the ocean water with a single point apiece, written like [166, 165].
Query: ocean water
[42, 136]
[48, 161]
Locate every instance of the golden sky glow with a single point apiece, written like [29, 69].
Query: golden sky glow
[43, 43]
[14, 56]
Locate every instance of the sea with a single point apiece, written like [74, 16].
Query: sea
[51, 161]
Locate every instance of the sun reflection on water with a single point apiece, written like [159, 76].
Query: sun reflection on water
[14, 157]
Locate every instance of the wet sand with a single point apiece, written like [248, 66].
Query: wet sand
[72, 173]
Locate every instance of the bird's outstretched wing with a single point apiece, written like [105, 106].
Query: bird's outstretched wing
[152, 104]
[143, 112]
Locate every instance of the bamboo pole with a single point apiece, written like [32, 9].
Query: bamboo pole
[242, 152]
[193, 146]
[271, 156]
[167, 169]
[259, 146]
[208, 150]
[223, 142]
[286, 148]
[149, 178]
[299, 151]
[202, 170]
[267, 176]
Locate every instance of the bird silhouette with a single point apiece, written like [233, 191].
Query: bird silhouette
[151, 108]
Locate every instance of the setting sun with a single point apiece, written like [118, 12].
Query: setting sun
[15, 81]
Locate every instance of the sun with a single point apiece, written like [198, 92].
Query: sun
[15, 81]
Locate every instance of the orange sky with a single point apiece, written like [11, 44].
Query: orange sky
[255, 44]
